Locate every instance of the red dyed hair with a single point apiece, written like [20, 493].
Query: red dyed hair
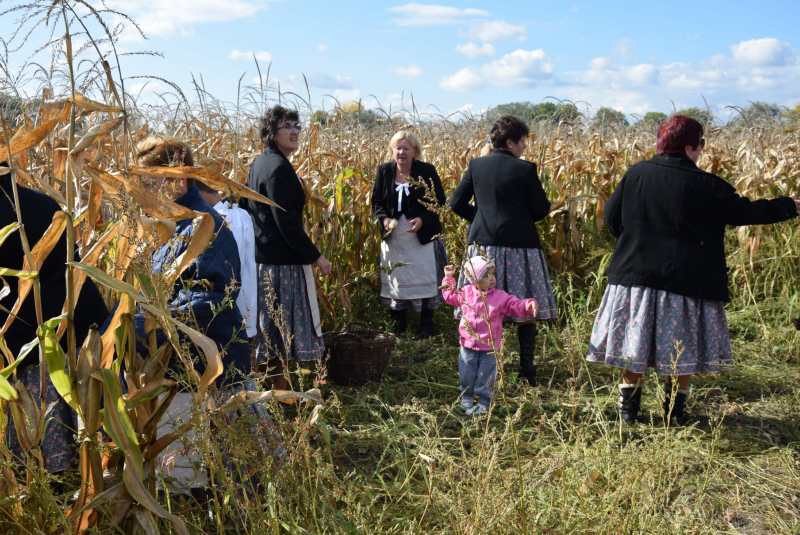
[679, 132]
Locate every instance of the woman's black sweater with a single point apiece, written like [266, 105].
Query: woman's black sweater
[670, 217]
[509, 200]
[384, 198]
[280, 236]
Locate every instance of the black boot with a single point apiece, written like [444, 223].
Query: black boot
[425, 324]
[679, 416]
[399, 319]
[527, 340]
[630, 399]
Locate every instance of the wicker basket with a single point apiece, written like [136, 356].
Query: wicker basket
[358, 356]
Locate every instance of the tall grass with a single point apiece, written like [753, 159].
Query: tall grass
[397, 457]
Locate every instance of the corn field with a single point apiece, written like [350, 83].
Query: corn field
[77, 146]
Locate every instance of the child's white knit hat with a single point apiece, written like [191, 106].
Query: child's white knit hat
[476, 267]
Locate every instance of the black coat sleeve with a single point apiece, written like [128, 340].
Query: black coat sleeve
[613, 210]
[430, 218]
[288, 220]
[462, 195]
[380, 204]
[738, 210]
[537, 198]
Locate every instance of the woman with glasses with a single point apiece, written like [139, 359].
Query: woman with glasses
[664, 306]
[288, 316]
[413, 255]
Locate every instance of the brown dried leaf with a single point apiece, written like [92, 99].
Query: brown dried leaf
[95, 132]
[207, 175]
[30, 139]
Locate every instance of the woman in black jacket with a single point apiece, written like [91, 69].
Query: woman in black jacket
[288, 316]
[37, 209]
[509, 200]
[410, 234]
[664, 305]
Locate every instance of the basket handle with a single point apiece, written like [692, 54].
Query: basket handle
[359, 323]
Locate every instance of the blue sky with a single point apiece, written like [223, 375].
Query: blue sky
[632, 56]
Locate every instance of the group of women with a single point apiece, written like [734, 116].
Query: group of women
[663, 307]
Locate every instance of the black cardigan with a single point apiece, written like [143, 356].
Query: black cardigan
[37, 214]
[280, 236]
[670, 218]
[509, 200]
[384, 198]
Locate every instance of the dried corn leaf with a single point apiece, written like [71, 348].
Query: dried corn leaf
[30, 139]
[95, 132]
[207, 175]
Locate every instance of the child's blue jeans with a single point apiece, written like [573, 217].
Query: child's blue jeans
[476, 371]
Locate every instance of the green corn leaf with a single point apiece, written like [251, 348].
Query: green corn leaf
[8, 272]
[6, 231]
[106, 280]
[57, 363]
[7, 392]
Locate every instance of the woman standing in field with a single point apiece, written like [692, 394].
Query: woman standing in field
[288, 316]
[664, 305]
[409, 232]
[509, 200]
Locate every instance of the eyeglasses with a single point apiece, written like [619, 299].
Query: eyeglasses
[290, 127]
[702, 142]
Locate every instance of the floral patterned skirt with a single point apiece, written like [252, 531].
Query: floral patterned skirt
[638, 328]
[285, 326]
[58, 445]
[440, 253]
[520, 272]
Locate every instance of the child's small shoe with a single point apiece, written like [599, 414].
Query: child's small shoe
[478, 410]
[467, 404]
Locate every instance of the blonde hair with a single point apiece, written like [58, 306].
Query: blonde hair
[408, 136]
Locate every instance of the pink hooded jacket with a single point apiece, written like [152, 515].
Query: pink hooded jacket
[471, 301]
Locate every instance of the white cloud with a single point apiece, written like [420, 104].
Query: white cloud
[343, 96]
[289, 83]
[602, 72]
[472, 51]
[260, 56]
[574, 9]
[408, 73]
[766, 52]
[693, 37]
[762, 69]
[495, 30]
[521, 68]
[432, 15]
[142, 88]
[322, 80]
[322, 48]
[176, 17]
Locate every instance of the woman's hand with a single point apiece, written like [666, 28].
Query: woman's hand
[449, 271]
[387, 221]
[324, 266]
[416, 224]
[533, 307]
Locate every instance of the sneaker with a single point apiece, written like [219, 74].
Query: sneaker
[467, 404]
[478, 410]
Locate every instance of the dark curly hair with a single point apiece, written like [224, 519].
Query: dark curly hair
[507, 127]
[274, 116]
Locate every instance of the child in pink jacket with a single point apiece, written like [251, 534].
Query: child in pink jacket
[477, 364]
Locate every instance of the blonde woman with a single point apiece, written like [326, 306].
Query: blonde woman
[410, 234]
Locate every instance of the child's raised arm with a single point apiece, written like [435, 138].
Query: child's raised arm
[450, 292]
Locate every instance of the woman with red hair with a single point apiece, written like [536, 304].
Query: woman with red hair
[667, 282]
